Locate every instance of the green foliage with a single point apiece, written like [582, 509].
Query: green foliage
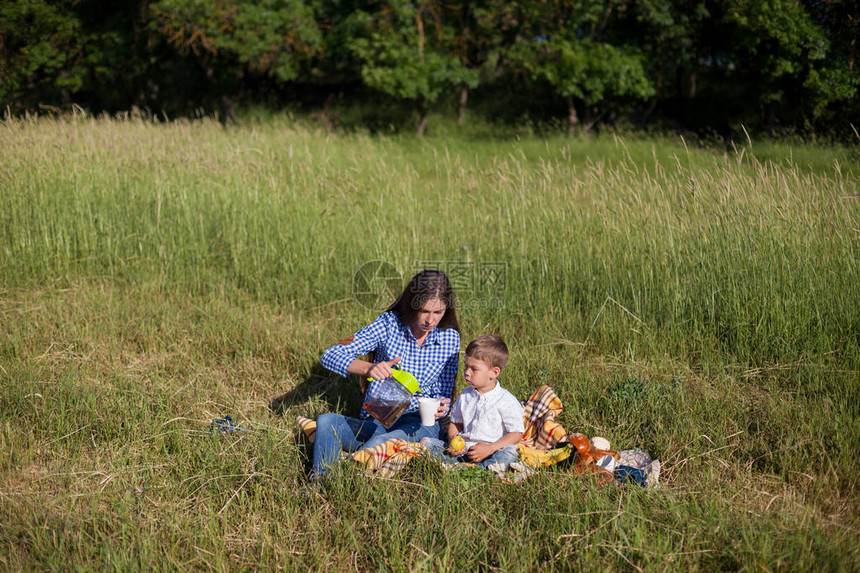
[707, 66]
[394, 66]
[405, 51]
[591, 72]
[273, 37]
[566, 47]
[790, 57]
[675, 35]
[41, 45]
[782, 40]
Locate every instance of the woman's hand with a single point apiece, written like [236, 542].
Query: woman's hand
[444, 404]
[382, 370]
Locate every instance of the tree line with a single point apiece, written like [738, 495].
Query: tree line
[699, 64]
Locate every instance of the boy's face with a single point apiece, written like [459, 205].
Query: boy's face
[480, 375]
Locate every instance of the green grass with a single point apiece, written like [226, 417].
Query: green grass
[698, 303]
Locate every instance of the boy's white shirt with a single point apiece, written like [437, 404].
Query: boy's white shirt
[487, 417]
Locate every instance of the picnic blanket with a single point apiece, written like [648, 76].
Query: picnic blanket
[383, 460]
[538, 446]
[308, 428]
[388, 458]
[541, 444]
[544, 443]
[542, 431]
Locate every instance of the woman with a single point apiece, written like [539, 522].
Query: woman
[420, 334]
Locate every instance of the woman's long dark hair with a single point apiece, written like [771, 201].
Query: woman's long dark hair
[425, 286]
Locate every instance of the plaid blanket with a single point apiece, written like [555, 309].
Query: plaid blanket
[383, 460]
[308, 428]
[387, 458]
[545, 441]
[538, 446]
[542, 431]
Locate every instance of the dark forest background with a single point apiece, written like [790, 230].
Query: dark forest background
[706, 66]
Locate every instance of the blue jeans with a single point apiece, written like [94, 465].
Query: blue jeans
[336, 432]
[505, 456]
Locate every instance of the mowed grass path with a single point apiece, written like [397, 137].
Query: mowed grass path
[697, 303]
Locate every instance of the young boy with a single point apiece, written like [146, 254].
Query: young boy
[486, 416]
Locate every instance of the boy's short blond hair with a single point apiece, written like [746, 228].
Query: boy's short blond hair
[490, 349]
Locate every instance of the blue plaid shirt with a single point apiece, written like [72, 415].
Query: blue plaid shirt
[434, 363]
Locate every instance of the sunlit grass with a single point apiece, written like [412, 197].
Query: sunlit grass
[696, 302]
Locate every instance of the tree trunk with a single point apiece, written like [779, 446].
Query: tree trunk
[589, 120]
[572, 118]
[228, 113]
[422, 102]
[422, 124]
[652, 105]
[770, 119]
[852, 52]
[658, 88]
[464, 98]
[420, 25]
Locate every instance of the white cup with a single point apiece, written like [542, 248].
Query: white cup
[428, 407]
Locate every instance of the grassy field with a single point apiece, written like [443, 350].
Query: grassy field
[700, 303]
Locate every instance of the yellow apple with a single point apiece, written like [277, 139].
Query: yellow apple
[457, 443]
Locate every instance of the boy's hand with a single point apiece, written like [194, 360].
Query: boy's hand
[480, 452]
[444, 404]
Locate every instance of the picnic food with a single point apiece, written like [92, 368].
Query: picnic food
[598, 474]
[457, 443]
[580, 442]
[600, 453]
[599, 443]
[586, 451]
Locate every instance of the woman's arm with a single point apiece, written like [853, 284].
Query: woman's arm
[343, 358]
[377, 371]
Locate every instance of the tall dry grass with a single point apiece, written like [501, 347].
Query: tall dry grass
[698, 303]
